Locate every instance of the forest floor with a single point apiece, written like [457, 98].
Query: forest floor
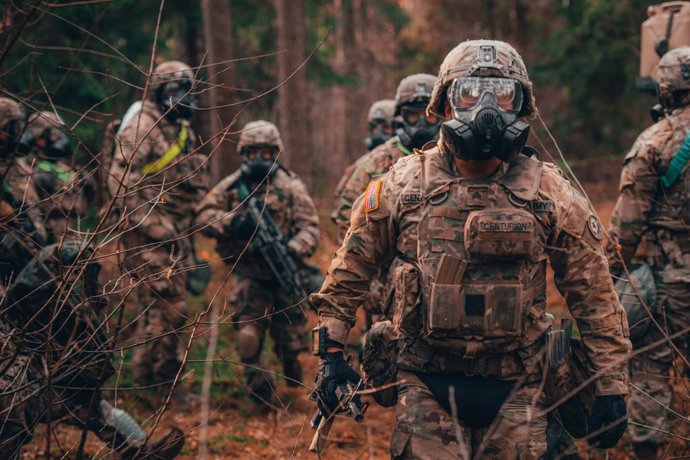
[239, 429]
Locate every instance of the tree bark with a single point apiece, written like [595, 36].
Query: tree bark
[218, 40]
[293, 97]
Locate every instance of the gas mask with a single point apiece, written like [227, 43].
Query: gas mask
[259, 161]
[379, 132]
[176, 100]
[485, 120]
[417, 128]
[53, 143]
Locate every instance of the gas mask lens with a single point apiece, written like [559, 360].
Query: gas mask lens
[412, 115]
[466, 92]
[262, 153]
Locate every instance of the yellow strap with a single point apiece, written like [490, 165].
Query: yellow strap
[170, 155]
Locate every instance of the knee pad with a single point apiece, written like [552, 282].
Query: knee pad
[248, 343]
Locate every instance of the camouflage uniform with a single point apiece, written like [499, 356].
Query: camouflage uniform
[157, 177]
[259, 302]
[468, 264]
[63, 191]
[657, 215]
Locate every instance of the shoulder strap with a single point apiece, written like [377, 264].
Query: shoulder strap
[171, 154]
[677, 164]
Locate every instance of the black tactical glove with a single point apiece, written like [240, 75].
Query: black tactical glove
[609, 412]
[333, 370]
[242, 227]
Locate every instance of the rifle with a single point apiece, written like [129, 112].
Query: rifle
[271, 244]
[348, 403]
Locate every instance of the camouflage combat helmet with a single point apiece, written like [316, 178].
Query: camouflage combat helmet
[673, 72]
[259, 132]
[382, 110]
[482, 58]
[414, 88]
[10, 110]
[166, 72]
[40, 121]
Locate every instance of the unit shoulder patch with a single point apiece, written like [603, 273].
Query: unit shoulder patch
[371, 195]
[595, 227]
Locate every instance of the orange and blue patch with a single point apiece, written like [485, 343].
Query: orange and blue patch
[371, 195]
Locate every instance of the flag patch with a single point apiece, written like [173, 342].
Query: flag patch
[371, 196]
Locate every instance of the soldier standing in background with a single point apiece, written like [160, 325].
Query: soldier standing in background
[653, 208]
[157, 176]
[413, 129]
[467, 228]
[64, 194]
[261, 304]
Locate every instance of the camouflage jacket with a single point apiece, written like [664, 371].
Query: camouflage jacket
[157, 177]
[649, 212]
[358, 175]
[64, 193]
[289, 204]
[468, 264]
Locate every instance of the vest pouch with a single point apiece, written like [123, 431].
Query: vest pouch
[504, 233]
[487, 309]
[406, 299]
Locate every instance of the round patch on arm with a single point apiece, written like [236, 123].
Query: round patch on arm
[595, 227]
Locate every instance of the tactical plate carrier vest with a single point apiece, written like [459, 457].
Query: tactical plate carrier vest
[477, 286]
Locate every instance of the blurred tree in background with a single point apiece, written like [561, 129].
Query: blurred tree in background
[90, 60]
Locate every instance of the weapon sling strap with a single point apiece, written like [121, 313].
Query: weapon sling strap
[171, 154]
[677, 164]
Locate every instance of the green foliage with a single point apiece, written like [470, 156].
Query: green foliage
[590, 57]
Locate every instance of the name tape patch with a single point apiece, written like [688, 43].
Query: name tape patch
[496, 227]
[411, 198]
[371, 196]
[541, 206]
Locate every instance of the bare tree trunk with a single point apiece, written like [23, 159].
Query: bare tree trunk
[217, 24]
[293, 97]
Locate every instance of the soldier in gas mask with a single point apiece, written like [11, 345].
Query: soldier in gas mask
[156, 177]
[261, 305]
[380, 123]
[64, 191]
[653, 208]
[467, 227]
[380, 127]
[413, 129]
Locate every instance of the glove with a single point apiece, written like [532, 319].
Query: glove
[609, 412]
[242, 227]
[333, 370]
[295, 249]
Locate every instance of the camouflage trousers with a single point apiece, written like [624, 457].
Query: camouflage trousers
[261, 307]
[651, 388]
[425, 430]
[158, 261]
